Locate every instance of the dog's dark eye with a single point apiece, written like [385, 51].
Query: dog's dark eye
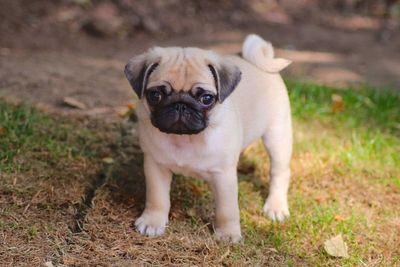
[154, 97]
[207, 99]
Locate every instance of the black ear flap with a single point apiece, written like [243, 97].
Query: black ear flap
[137, 71]
[226, 79]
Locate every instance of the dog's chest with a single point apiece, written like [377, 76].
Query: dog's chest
[186, 155]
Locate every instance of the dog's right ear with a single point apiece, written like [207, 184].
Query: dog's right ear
[137, 71]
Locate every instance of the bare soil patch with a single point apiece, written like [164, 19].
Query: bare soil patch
[48, 54]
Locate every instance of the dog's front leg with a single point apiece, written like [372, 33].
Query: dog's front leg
[154, 218]
[225, 189]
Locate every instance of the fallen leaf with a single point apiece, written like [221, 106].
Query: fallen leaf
[131, 105]
[337, 103]
[339, 217]
[108, 160]
[196, 190]
[123, 111]
[336, 247]
[73, 103]
[283, 226]
[321, 198]
[2, 131]
[127, 111]
[332, 190]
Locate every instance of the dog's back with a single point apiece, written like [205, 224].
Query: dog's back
[260, 80]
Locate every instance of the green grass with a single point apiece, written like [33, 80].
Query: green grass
[375, 110]
[26, 131]
[345, 179]
[364, 136]
[344, 161]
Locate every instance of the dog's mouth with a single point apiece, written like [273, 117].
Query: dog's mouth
[180, 128]
[179, 118]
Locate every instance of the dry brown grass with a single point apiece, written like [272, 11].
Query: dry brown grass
[47, 192]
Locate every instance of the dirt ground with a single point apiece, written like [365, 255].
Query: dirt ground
[41, 64]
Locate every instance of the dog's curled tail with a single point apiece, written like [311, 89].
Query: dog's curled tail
[261, 53]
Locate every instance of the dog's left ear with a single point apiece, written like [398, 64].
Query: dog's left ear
[226, 78]
[137, 71]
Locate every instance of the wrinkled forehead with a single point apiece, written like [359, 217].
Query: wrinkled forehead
[183, 69]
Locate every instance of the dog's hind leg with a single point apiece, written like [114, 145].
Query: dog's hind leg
[278, 143]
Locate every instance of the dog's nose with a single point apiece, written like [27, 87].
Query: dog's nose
[180, 107]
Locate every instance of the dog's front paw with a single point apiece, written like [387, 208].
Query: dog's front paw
[276, 207]
[228, 234]
[151, 223]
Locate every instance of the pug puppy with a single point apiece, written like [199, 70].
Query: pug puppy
[197, 111]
